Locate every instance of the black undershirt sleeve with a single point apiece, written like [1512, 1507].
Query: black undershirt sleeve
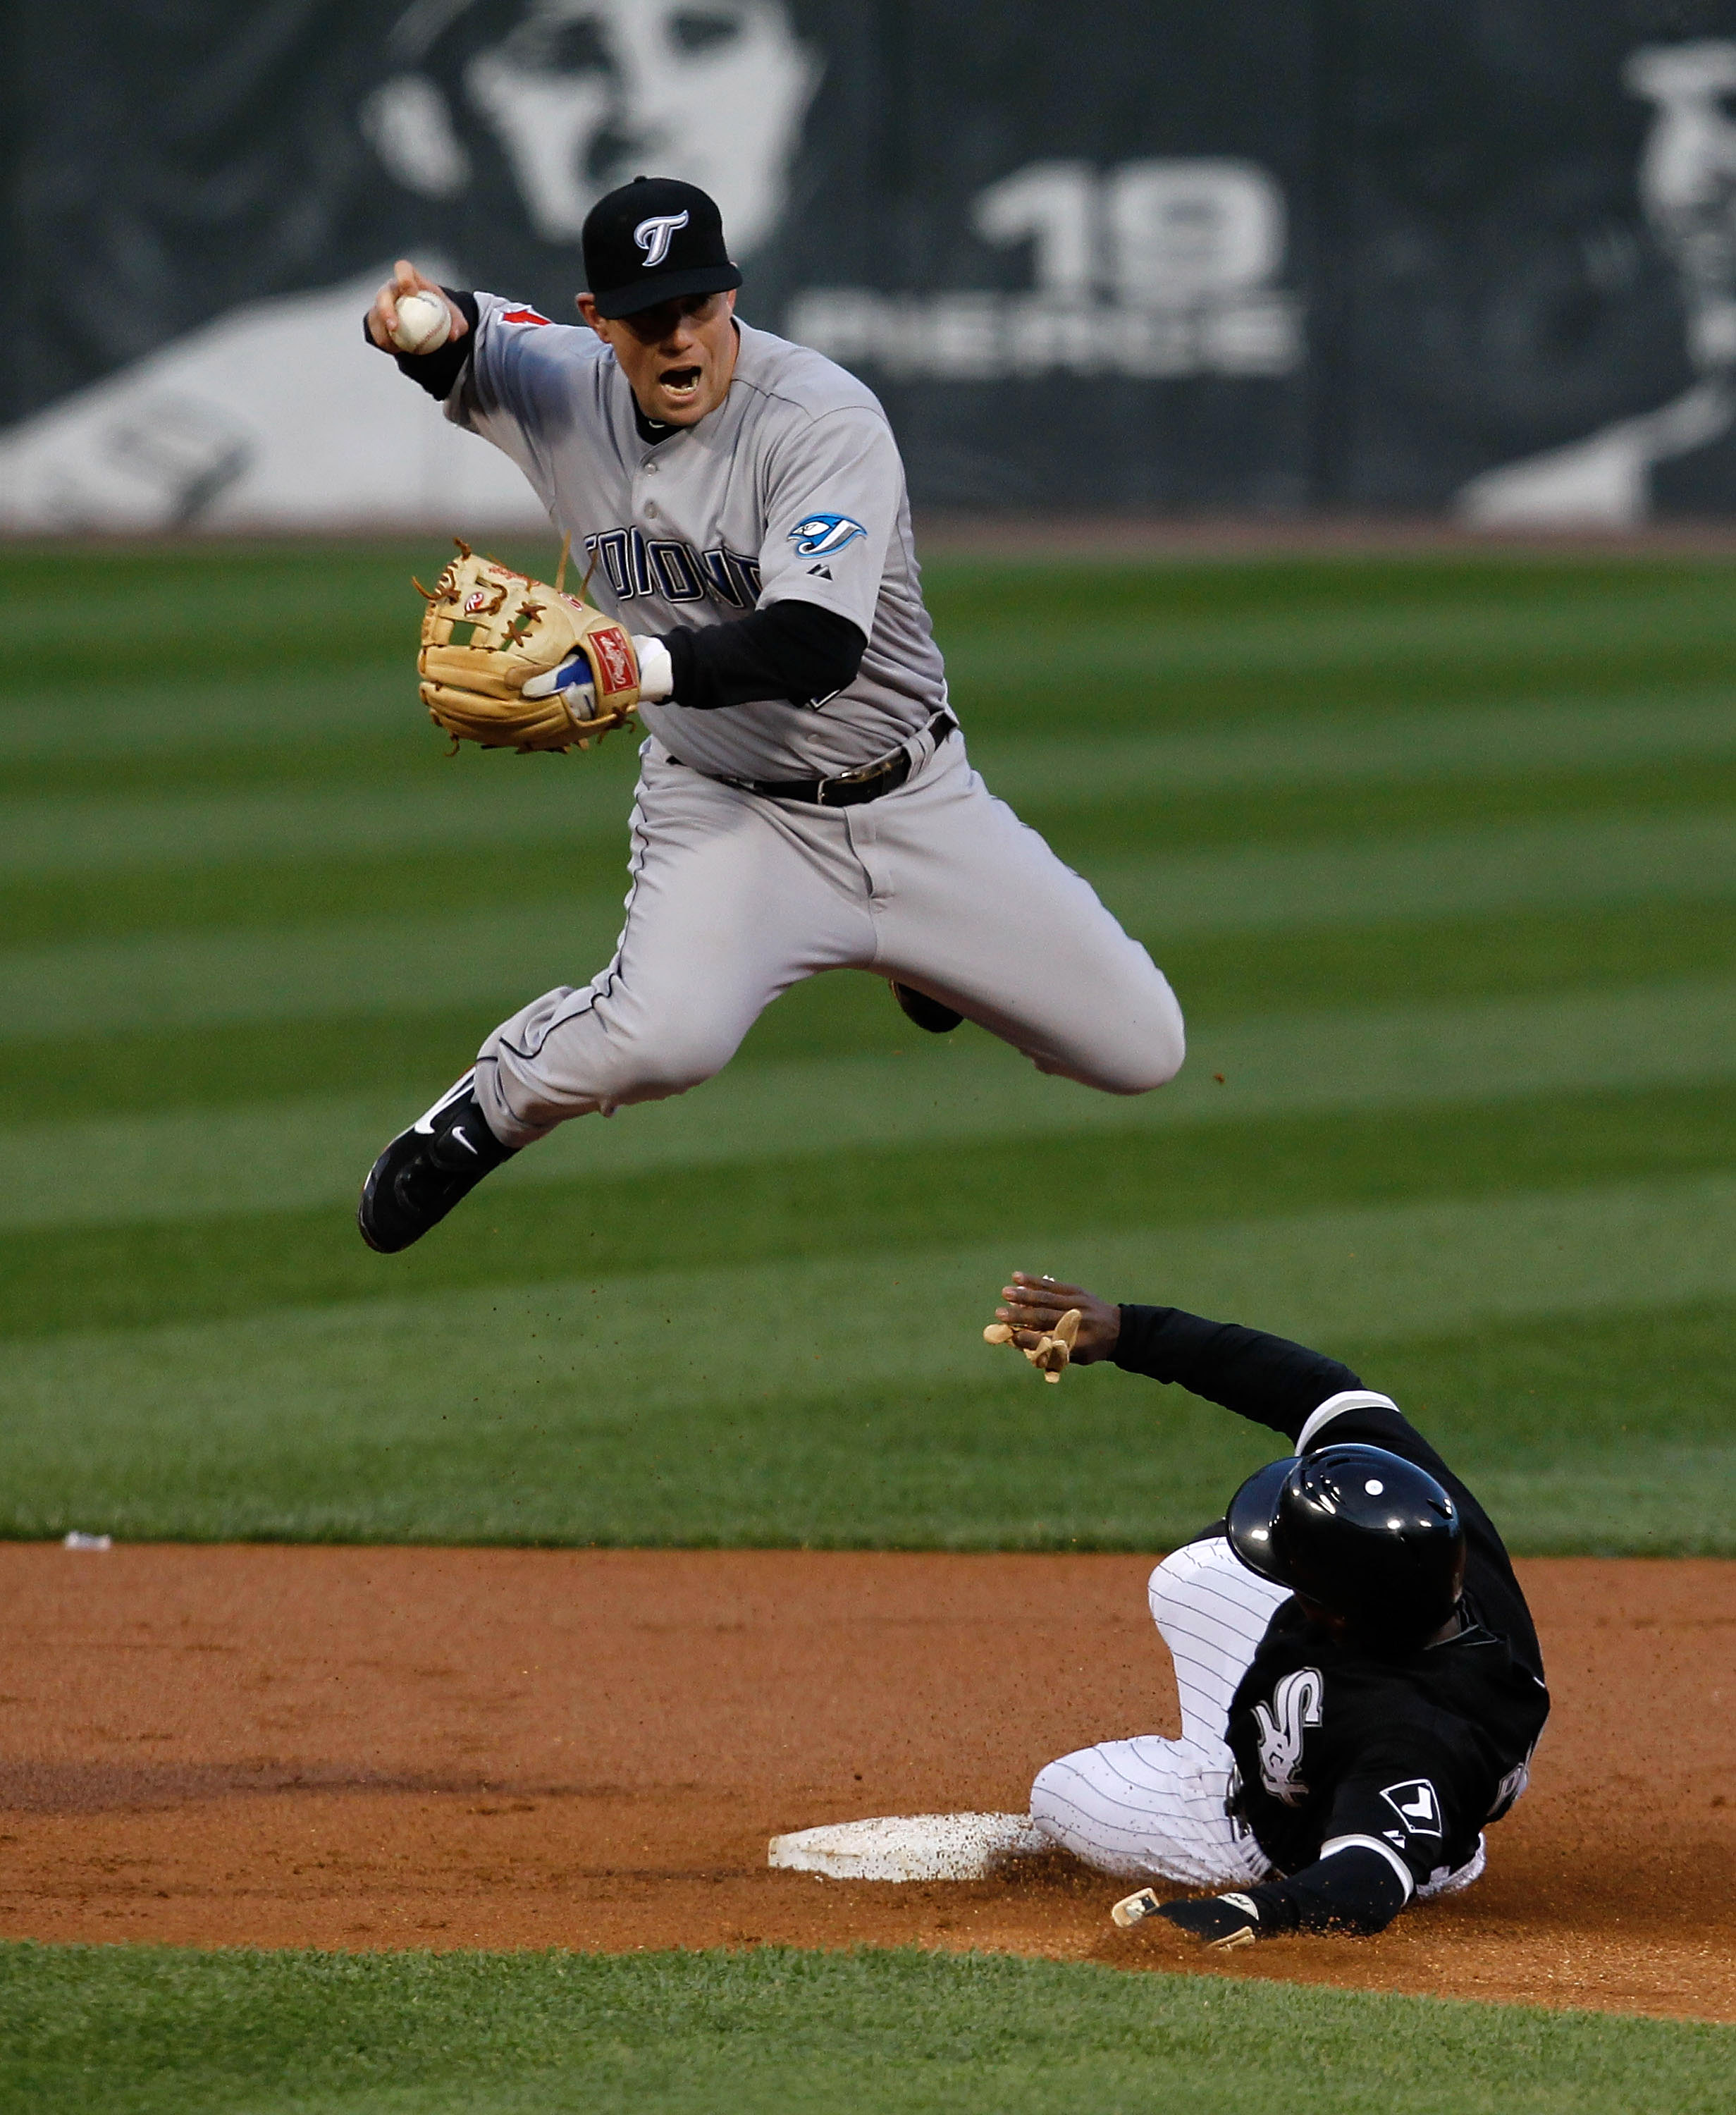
[436, 371]
[1355, 1890]
[1266, 1379]
[789, 649]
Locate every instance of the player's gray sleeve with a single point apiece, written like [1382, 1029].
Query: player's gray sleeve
[834, 488]
[516, 389]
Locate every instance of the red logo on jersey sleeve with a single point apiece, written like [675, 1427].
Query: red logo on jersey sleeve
[521, 316]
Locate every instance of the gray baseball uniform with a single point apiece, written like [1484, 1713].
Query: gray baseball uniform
[792, 490]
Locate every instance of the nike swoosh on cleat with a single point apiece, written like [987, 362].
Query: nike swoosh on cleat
[457, 1132]
[424, 1124]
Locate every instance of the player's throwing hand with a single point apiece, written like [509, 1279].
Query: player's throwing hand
[383, 318]
[1034, 1305]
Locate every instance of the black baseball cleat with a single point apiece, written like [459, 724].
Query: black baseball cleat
[427, 1169]
[928, 1013]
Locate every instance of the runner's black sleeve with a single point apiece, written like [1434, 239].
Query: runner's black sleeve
[790, 649]
[1266, 1379]
[1354, 1890]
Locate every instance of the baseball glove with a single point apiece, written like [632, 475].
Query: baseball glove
[513, 663]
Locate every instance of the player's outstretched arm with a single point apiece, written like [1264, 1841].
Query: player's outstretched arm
[1264, 1377]
[1267, 1379]
[383, 318]
[1032, 1305]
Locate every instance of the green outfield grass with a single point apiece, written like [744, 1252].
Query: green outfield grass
[133, 2032]
[1441, 855]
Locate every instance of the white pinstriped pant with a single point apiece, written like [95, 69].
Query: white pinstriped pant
[1152, 1808]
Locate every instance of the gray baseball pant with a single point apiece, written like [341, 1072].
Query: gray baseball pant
[735, 897]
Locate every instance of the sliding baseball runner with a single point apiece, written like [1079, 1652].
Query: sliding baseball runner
[1361, 1684]
[805, 802]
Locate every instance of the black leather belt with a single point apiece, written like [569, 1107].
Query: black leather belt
[849, 789]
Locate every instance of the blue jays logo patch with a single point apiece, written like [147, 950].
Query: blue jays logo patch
[820, 535]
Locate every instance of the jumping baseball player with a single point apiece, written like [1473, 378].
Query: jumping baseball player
[805, 802]
[1361, 1685]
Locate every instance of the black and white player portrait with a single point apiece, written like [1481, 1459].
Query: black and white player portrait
[580, 95]
[1686, 186]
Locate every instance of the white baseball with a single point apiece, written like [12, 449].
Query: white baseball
[425, 323]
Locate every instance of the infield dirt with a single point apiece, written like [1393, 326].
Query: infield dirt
[363, 1748]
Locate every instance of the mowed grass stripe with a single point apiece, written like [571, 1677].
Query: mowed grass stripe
[377, 966]
[640, 1407]
[124, 717]
[1354, 748]
[549, 801]
[289, 973]
[1169, 644]
[1571, 859]
[287, 1155]
[534, 801]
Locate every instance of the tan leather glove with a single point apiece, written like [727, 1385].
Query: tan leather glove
[513, 663]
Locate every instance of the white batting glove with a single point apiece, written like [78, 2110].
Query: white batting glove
[575, 675]
[655, 677]
[656, 670]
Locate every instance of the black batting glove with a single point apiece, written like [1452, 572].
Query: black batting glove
[1221, 1920]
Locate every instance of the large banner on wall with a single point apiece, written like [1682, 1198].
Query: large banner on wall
[1270, 255]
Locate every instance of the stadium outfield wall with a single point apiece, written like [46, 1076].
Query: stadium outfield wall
[1350, 254]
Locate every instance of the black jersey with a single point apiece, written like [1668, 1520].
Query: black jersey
[1337, 1747]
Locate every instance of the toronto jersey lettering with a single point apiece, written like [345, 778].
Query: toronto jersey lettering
[792, 490]
[1408, 1756]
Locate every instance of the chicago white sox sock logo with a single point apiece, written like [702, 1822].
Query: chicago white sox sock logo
[652, 236]
[1295, 1706]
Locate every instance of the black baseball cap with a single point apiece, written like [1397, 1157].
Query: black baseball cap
[654, 240]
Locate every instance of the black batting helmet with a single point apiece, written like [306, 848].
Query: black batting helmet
[1362, 1533]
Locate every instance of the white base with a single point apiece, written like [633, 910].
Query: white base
[910, 1846]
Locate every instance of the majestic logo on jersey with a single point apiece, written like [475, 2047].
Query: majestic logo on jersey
[1417, 1804]
[521, 316]
[1295, 1706]
[821, 535]
[652, 236]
